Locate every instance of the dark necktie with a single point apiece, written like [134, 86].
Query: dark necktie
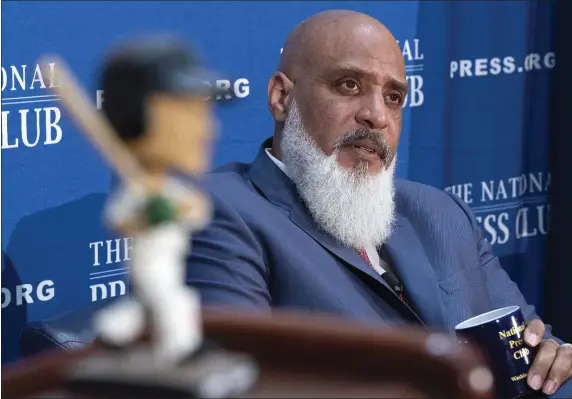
[389, 278]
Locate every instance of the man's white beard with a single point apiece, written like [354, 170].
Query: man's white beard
[354, 207]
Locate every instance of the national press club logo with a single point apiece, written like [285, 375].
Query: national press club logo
[31, 112]
[507, 65]
[414, 67]
[511, 208]
[24, 294]
[226, 90]
[109, 268]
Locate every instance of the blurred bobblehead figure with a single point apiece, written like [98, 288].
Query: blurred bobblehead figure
[155, 96]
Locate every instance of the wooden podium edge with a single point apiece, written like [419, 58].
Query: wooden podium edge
[251, 331]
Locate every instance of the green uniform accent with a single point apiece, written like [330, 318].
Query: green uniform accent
[159, 209]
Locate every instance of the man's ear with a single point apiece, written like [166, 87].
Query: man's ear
[280, 90]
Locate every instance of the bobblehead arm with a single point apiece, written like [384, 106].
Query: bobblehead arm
[502, 290]
[226, 264]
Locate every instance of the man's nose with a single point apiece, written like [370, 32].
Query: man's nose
[373, 113]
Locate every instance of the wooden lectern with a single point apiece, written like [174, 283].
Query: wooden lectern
[303, 355]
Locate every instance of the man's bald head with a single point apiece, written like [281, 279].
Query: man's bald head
[314, 39]
[346, 75]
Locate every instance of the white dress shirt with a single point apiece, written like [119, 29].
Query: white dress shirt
[372, 253]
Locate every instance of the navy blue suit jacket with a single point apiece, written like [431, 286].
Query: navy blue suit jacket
[263, 251]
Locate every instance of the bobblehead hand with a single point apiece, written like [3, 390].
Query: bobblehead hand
[552, 365]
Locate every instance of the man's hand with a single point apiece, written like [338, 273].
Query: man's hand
[552, 365]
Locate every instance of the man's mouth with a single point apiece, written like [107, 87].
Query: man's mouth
[366, 147]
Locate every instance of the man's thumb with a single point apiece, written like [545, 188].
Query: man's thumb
[534, 332]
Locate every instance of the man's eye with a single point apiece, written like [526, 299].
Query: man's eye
[350, 84]
[395, 98]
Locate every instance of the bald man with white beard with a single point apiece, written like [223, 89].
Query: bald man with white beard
[318, 223]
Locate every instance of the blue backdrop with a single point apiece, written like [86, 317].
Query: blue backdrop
[475, 123]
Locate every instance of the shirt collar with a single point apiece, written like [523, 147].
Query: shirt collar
[278, 162]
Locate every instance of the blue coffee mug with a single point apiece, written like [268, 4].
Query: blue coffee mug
[500, 334]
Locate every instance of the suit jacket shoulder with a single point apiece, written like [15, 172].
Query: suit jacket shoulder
[418, 197]
[435, 213]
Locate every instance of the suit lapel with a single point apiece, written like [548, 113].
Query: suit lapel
[281, 191]
[302, 219]
[353, 260]
[415, 270]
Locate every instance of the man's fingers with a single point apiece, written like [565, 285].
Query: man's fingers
[560, 370]
[542, 363]
[534, 332]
